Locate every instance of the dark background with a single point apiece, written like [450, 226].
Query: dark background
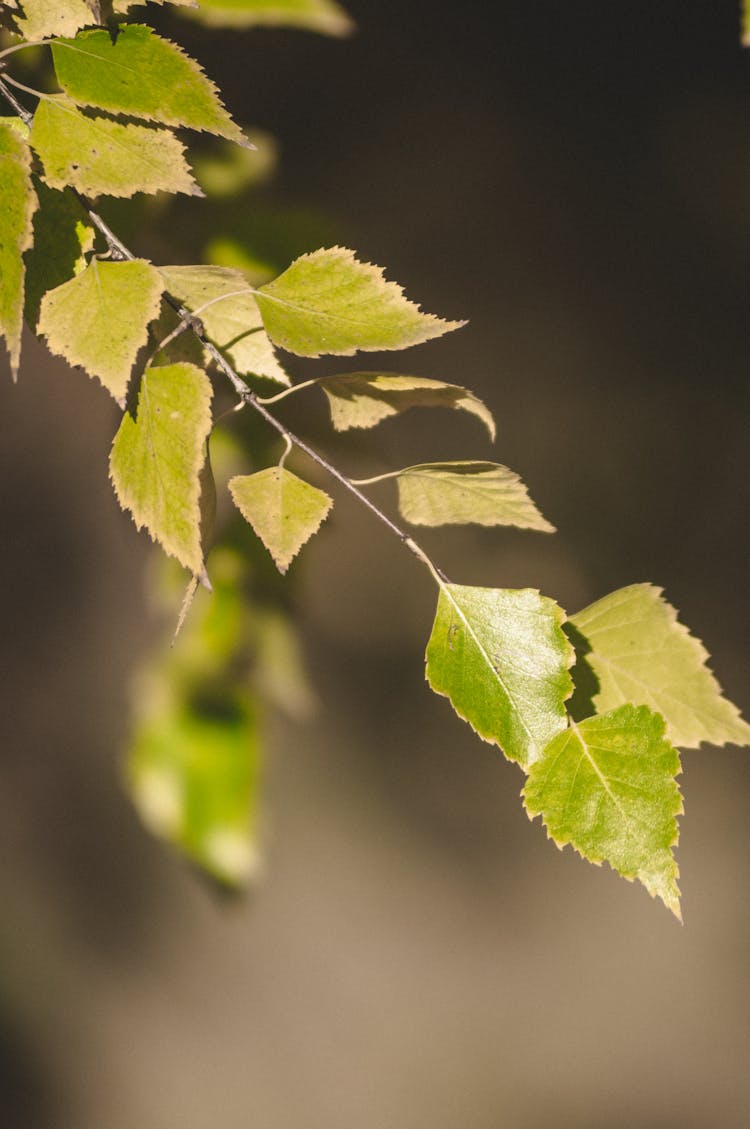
[575, 180]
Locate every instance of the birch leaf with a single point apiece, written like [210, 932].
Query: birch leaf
[142, 75]
[608, 787]
[363, 399]
[18, 202]
[99, 320]
[157, 458]
[194, 762]
[639, 652]
[99, 156]
[312, 15]
[232, 322]
[502, 659]
[330, 302]
[462, 493]
[283, 510]
[62, 238]
[46, 18]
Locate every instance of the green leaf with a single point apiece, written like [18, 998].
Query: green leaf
[608, 787]
[639, 652]
[329, 302]
[45, 18]
[157, 458]
[121, 7]
[99, 156]
[467, 493]
[363, 399]
[99, 319]
[18, 203]
[502, 659]
[194, 762]
[283, 510]
[142, 75]
[62, 239]
[232, 322]
[312, 15]
[746, 23]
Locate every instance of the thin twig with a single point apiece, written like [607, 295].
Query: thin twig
[119, 251]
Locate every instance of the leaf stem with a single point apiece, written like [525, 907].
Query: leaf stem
[26, 117]
[24, 46]
[119, 251]
[288, 391]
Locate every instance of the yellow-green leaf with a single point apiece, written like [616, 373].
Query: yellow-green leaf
[143, 75]
[639, 652]
[312, 15]
[62, 239]
[467, 493]
[330, 302]
[608, 787]
[230, 316]
[502, 659]
[193, 766]
[99, 320]
[100, 156]
[157, 458]
[283, 510]
[363, 399]
[18, 202]
[45, 18]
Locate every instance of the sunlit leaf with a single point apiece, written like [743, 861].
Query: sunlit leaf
[467, 493]
[100, 156]
[157, 458]
[283, 510]
[639, 652]
[45, 18]
[140, 74]
[312, 15]
[330, 302]
[607, 786]
[232, 320]
[363, 399]
[502, 659]
[18, 202]
[99, 319]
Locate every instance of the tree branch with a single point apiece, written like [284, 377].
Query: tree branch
[120, 252]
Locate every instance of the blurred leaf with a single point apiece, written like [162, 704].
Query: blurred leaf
[502, 659]
[330, 302]
[283, 510]
[607, 786]
[18, 202]
[280, 676]
[99, 319]
[194, 762]
[232, 321]
[233, 169]
[313, 15]
[363, 399]
[97, 155]
[467, 493]
[639, 652]
[142, 75]
[157, 457]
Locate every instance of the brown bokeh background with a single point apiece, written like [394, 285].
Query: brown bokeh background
[575, 180]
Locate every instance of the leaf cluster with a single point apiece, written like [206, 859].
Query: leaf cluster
[591, 707]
